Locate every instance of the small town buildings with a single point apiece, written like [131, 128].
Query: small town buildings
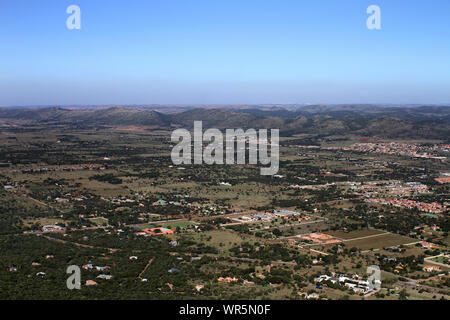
[358, 286]
[91, 283]
[99, 268]
[311, 296]
[199, 287]
[159, 231]
[431, 269]
[248, 283]
[160, 203]
[227, 279]
[12, 269]
[285, 213]
[53, 229]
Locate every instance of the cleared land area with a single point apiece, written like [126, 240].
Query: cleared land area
[378, 242]
[355, 234]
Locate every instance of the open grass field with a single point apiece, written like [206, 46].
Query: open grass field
[146, 226]
[222, 240]
[379, 242]
[43, 221]
[442, 260]
[304, 228]
[355, 234]
[99, 221]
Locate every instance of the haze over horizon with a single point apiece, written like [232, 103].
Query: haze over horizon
[224, 52]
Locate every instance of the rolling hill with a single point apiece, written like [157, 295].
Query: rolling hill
[389, 122]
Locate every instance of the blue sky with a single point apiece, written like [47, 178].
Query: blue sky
[224, 52]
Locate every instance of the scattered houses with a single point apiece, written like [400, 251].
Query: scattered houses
[431, 269]
[53, 229]
[354, 283]
[158, 231]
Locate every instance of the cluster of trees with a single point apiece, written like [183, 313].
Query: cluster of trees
[21, 251]
[14, 210]
[409, 264]
[268, 253]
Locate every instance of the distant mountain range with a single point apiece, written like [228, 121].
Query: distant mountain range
[432, 122]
